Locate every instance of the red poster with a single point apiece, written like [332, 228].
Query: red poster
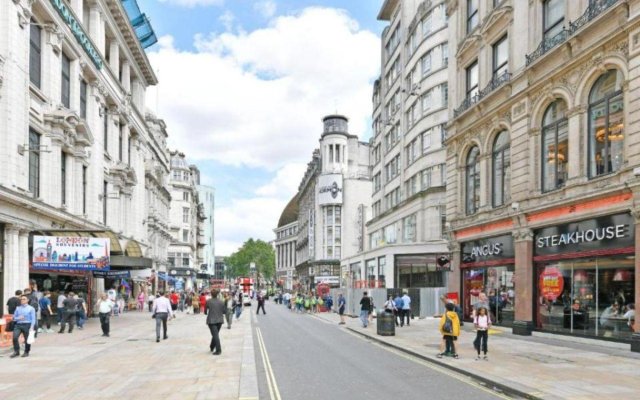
[551, 283]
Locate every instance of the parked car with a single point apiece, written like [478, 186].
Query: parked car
[246, 300]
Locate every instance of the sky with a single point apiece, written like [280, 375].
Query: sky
[243, 86]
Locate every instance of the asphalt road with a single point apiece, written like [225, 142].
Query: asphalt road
[303, 357]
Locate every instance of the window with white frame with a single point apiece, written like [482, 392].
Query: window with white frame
[427, 25]
[425, 63]
[412, 151]
[185, 215]
[376, 209]
[409, 229]
[185, 235]
[375, 239]
[332, 238]
[390, 234]
[425, 100]
[376, 182]
[426, 140]
[444, 51]
[411, 185]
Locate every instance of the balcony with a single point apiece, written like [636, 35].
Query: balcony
[494, 84]
[594, 10]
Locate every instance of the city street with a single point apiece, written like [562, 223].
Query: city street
[313, 359]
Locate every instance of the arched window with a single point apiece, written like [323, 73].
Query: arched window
[500, 167]
[606, 124]
[555, 146]
[473, 181]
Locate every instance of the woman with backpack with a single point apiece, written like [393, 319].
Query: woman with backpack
[450, 330]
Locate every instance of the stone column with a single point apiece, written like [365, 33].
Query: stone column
[114, 58]
[126, 77]
[635, 338]
[11, 251]
[575, 149]
[453, 277]
[23, 257]
[524, 281]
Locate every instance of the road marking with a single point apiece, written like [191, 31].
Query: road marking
[274, 392]
[442, 370]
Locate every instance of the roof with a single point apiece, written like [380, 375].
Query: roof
[290, 212]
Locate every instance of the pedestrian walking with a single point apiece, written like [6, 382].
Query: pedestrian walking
[239, 305]
[25, 322]
[187, 303]
[150, 301]
[406, 309]
[70, 307]
[33, 302]
[230, 303]
[182, 299]
[341, 306]
[46, 312]
[450, 330]
[174, 298]
[60, 306]
[105, 309]
[14, 302]
[372, 310]
[141, 301]
[390, 306]
[215, 310]
[398, 311]
[365, 308]
[482, 323]
[162, 311]
[202, 301]
[81, 314]
[260, 303]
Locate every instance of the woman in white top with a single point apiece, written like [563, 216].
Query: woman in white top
[390, 305]
[482, 323]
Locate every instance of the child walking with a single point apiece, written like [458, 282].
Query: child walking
[450, 330]
[482, 322]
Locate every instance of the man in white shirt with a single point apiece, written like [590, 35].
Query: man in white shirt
[406, 309]
[60, 306]
[161, 312]
[105, 309]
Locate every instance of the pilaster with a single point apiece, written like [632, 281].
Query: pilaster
[524, 282]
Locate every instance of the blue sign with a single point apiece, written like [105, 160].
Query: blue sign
[81, 36]
[111, 274]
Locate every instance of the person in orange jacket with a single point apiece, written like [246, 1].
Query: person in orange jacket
[450, 330]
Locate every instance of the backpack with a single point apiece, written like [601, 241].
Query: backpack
[448, 325]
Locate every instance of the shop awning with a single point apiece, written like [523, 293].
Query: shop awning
[133, 249]
[113, 239]
[125, 262]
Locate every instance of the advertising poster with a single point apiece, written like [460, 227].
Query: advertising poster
[551, 283]
[70, 253]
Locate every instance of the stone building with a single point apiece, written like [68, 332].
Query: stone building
[73, 76]
[207, 197]
[542, 161]
[404, 244]
[285, 244]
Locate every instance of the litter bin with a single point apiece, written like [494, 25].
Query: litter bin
[386, 325]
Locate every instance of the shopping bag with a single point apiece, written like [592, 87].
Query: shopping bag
[32, 337]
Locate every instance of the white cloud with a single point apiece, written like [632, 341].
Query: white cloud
[286, 181]
[266, 8]
[194, 3]
[227, 19]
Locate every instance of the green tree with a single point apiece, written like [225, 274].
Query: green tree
[257, 251]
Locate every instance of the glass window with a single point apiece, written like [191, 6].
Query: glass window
[371, 270]
[409, 229]
[426, 63]
[473, 181]
[120, 140]
[105, 129]
[382, 262]
[34, 163]
[35, 54]
[606, 124]
[390, 234]
[500, 57]
[185, 215]
[83, 99]
[553, 19]
[427, 25]
[555, 146]
[105, 186]
[66, 81]
[472, 80]
[84, 189]
[501, 170]
[185, 235]
[472, 15]
[63, 177]
[498, 285]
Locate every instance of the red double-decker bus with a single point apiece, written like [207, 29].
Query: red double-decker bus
[245, 285]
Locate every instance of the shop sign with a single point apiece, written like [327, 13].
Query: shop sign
[612, 231]
[551, 283]
[329, 280]
[70, 253]
[111, 274]
[495, 248]
[330, 189]
[81, 36]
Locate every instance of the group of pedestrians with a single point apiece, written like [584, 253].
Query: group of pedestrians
[451, 321]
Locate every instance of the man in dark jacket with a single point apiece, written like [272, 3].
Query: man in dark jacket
[215, 309]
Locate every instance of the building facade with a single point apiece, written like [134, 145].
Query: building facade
[207, 196]
[73, 77]
[543, 174]
[404, 245]
[285, 244]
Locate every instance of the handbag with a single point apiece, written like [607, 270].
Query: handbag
[32, 337]
[11, 325]
[153, 316]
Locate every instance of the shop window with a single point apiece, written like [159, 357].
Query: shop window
[498, 285]
[472, 191]
[606, 124]
[501, 169]
[555, 146]
[586, 296]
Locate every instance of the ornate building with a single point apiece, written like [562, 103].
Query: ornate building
[285, 244]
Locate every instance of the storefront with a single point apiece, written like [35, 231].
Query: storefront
[586, 277]
[420, 270]
[488, 267]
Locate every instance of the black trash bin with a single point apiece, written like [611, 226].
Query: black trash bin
[386, 325]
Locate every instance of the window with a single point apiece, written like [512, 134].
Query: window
[185, 195]
[426, 101]
[412, 151]
[443, 221]
[83, 99]
[425, 63]
[444, 94]
[472, 15]
[35, 54]
[332, 239]
[375, 239]
[553, 18]
[129, 150]
[392, 168]
[426, 140]
[501, 170]
[555, 146]
[185, 215]
[426, 178]
[427, 25]
[500, 57]
[120, 140]
[445, 54]
[409, 229]
[376, 182]
[375, 209]
[63, 177]
[105, 187]
[185, 260]
[411, 185]
[390, 236]
[473, 181]
[105, 129]
[34, 163]
[472, 80]
[185, 235]
[606, 124]
[66, 81]
[84, 189]
[392, 199]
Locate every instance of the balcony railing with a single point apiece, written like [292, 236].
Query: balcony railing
[596, 8]
[495, 83]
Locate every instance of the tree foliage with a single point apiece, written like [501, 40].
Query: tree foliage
[257, 251]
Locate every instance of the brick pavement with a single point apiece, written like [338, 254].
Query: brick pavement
[131, 365]
[536, 367]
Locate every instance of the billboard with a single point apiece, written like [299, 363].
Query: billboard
[329, 189]
[70, 253]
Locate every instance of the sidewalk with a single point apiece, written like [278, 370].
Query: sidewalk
[130, 364]
[531, 367]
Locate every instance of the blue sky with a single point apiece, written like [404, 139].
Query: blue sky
[243, 87]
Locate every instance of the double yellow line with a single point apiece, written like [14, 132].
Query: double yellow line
[274, 393]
